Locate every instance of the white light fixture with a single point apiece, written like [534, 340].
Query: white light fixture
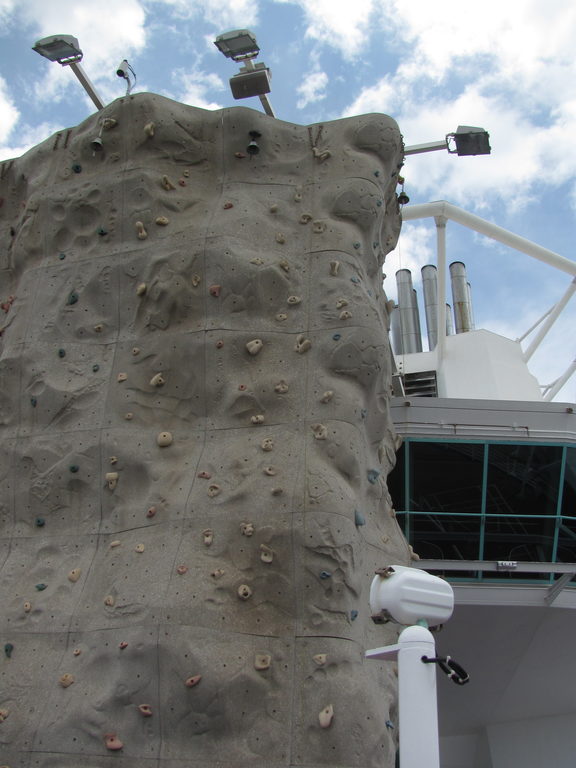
[66, 51]
[253, 79]
[466, 140]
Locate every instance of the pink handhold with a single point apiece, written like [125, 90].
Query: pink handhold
[192, 681]
[227, 206]
[145, 710]
[182, 182]
[151, 512]
[215, 290]
[205, 475]
[242, 387]
[219, 344]
[123, 645]
[181, 570]
[112, 741]
[240, 155]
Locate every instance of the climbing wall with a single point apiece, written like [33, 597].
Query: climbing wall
[194, 385]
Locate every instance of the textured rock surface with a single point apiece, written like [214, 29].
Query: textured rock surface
[194, 383]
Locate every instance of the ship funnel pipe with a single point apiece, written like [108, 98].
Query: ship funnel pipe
[396, 331]
[461, 298]
[408, 313]
[430, 291]
[449, 323]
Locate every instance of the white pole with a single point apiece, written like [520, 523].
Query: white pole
[418, 712]
[441, 282]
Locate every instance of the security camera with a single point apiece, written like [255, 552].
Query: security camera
[122, 70]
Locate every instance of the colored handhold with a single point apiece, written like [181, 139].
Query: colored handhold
[139, 548]
[145, 710]
[280, 238]
[113, 459]
[281, 387]
[115, 543]
[281, 316]
[247, 529]
[195, 280]
[336, 336]
[129, 416]
[74, 468]
[363, 413]
[111, 480]
[228, 205]
[123, 645]
[305, 218]
[102, 232]
[359, 518]
[61, 256]
[218, 573]
[167, 184]
[151, 512]
[266, 554]
[327, 396]
[109, 601]
[379, 203]
[181, 570]
[27, 606]
[66, 680]
[98, 328]
[318, 227]
[297, 197]
[242, 387]
[376, 173]
[190, 682]
[186, 173]
[95, 368]
[302, 344]
[345, 315]
[326, 716]
[164, 439]
[373, 475]
[389, 724]
[150, 129]
[244, 592]
[277, 491]
[334, 268]
[273, 208]
[259, 419]
[157, 380]
[135, 351]
[262, 661]
[112, 741]
[40, 587]
[356, 246]
[285, 265]
[219, 344]
[355, 280]
[214, 490]
[108, 123]
[141, 289]
[122, 377]
[267, 444]
[293, 300]
[61, 352]
[8, 648]
[208, 537]
[204, 475]
[254, 347]
[215, 290]
[39, 522]
[77, 168]
[72, 298]
[240, 155]
[74, 575]
[320, 659]
[270, 471]
[341, 302]
[141, 230]
[320, 431]
[3, 715]
[353, 615]
[325, 574]
[162, 221]
[76, 652]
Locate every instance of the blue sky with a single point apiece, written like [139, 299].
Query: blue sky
[509, 67]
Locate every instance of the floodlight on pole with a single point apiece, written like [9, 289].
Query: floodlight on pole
[66, 51]
[253, 79]
[466, 140]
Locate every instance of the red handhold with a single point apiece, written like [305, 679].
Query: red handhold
[227, 206]
[215, 290]
[204, 475]
[242, 387]
[192, 681]
[145, 710]
[182, 182]
[151, 512]
[123, 645]
[181, 570]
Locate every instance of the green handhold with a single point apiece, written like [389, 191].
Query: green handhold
[41, 587]
[33, 402]
[95, 367]
[74, 468]
[61, 256]
[8, 648]
[77, 168]
[359, 518]
[40, 522]
[72, 298]
[102, 232]
[61, 352]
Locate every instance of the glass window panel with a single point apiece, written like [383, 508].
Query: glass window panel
[446, 477]
[448, 537]
[567, 534]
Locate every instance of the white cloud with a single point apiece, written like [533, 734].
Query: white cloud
[312, 89]
[227, 14]
[27, 138]
[341, 24]
[9, 114]
[194, 87]
[415, 249]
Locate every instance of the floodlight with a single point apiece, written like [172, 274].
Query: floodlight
[468, 140]
[237, 44]
[65, 49]
[408, 595]
[252, 80]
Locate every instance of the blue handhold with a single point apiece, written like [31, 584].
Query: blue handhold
[379, 203]
[325, 574]
[72, 298]
[369, 292]
[61, 256]
[41, 587]
[8, 648]
[95, 367]
[375, 244]
[74, 468]
[373, 475]
[359, 518]
[40, 522]
[356, 246]
[355, 280]
[33, 402]
[61, 352]
[376, 173]
[336, 337]
[390, 725]
[353, 615]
